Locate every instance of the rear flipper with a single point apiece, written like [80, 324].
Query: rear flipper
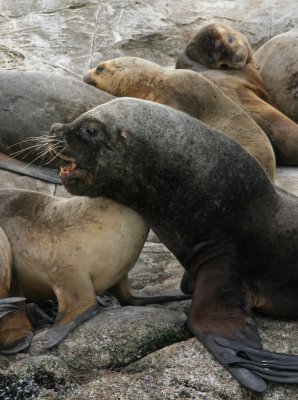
[220, 317]
[38, 316]
[15, 328]
[122, 291]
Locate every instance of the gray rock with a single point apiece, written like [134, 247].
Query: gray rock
[29, 376]
[187, 370]
[117, 337]
[46, 35]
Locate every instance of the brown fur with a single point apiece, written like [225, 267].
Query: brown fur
[243, 84]
[185, 91]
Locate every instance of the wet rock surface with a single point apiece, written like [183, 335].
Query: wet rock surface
[131, 353]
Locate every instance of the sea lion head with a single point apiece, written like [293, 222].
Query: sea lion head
[219, 47]
[100, 148]
[124, 76]
[117, 149]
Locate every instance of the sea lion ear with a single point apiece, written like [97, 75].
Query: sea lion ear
[123, 135]
[249, 51]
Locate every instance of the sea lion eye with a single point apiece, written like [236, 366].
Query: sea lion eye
[99, 68]
[91, 132]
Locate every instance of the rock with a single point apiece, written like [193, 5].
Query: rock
[278, 63]
[156, 269]
[117, 337]
[29, 376]
[187, 370]
[44, 35]
[287, 179]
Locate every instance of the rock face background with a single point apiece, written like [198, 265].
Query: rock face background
[131, 353]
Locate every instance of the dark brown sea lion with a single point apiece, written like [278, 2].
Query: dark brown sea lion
[185, 91]
[212, 205]
[277, 60]
[29, 103]
[215, 52]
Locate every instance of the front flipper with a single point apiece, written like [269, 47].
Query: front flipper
[220, 317]
[15, 328]
[7, 305]
[76, 304]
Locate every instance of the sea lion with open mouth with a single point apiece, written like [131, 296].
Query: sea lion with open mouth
[215, 209]
[224, 56]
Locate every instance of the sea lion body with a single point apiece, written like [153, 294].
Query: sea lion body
[15, 326]
[70, 249]
[30, 103]
[188, 92]
[277, 60]
[212, 205]
[243, 84]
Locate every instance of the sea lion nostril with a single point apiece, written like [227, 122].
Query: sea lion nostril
[54, 128]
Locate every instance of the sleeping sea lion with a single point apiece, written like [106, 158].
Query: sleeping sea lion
[215, 209]
[277, 60]
[224, 56]
[186, 91]
[29, 103]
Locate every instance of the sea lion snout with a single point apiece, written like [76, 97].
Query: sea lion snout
[54, 127]
[87, 78]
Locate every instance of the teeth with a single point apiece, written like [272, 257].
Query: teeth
[68, 168]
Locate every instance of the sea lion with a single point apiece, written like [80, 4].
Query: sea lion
[277, 60]
[69, 249]
[29, 103]
[186, 91]
[209, 52]
[15, 326]
[214, 208]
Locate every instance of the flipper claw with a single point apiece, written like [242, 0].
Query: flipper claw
[274, 367]
[7, 305]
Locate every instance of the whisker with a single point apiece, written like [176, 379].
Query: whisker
[42, 138]
[33, 147]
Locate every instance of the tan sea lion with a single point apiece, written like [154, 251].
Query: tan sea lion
[185, 91]
[223, 55]
[212, 205]
[14, 327]
[277, 60]
[69, 249]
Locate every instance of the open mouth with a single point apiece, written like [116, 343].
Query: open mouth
[71, 166]
[68, 169]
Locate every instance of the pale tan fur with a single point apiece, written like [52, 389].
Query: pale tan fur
[70, 249]
[186, 91]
